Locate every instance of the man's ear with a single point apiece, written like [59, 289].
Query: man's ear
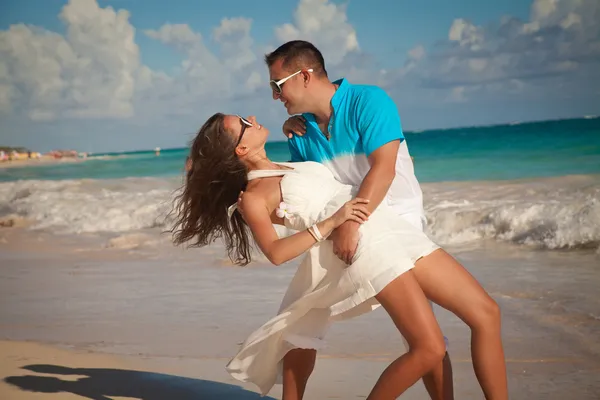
[306, 76]
[241, 151]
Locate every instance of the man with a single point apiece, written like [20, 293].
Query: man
[355, 131]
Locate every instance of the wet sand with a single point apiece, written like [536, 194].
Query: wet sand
[154, 322]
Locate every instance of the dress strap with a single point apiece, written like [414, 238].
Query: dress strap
[267, 173]
[260, 173]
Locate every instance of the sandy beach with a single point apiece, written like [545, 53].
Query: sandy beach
[101, 317]
[43, 160]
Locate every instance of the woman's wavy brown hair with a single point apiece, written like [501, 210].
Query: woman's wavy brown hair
[213, 183]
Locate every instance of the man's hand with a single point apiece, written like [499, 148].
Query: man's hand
[373, 187]
[295, 124]
[345, 241]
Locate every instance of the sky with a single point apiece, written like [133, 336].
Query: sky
[117, 75]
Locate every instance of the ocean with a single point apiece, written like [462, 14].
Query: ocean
[531, 184]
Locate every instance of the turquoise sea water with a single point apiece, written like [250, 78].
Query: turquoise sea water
[534, 184]
[539, 149]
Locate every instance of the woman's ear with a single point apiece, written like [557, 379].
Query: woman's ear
[241, 151]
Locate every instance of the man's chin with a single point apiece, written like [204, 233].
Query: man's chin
[291, 111]
[289, 108]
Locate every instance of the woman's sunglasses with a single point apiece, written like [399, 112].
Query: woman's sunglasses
[245, 124]
[276, 85]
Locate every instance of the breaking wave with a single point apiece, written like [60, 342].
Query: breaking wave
[551, 213]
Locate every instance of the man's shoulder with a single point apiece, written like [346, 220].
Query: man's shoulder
[369, 96]
[366, 90]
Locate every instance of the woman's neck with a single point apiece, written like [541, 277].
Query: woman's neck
[260, 162]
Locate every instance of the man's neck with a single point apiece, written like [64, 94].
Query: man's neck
[323, 109]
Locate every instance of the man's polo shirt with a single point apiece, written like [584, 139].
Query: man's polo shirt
[364, 118]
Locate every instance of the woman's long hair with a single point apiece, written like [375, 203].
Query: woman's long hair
[213, 183]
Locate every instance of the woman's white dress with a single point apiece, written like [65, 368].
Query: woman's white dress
[324, 288]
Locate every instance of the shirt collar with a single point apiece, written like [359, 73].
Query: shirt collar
[340, 93]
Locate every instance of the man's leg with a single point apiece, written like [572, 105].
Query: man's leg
[298, 364]
[439, 382]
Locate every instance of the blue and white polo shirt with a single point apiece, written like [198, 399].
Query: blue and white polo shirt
[364, 118]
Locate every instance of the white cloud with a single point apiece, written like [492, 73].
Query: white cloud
[201, 69]
[561, 40]
[203, 76]
[179, 35]
[7, 91]
[466, 34]
[88, 73]
[325, 25]
[416, 53]
[233, 34]
[413, 57]
[95, 71]
[457, 95]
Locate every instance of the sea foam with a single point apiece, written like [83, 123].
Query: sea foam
[550, 213]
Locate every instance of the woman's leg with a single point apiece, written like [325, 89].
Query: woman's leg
[447, 283]
[298, 364]
[408, 307]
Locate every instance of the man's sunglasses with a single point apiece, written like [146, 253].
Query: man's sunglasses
[245, 124]
[276, 85]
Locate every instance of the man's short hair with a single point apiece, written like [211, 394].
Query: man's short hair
[298, 54]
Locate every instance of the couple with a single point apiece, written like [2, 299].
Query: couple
[361, 250]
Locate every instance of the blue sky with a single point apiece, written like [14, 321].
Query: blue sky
[111, 75]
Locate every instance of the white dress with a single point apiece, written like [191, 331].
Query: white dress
[324, 288]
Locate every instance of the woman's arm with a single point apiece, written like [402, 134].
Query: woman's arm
[278, 251]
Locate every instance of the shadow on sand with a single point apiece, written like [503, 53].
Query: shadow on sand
[99, 383]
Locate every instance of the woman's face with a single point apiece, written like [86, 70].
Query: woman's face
[246, 132]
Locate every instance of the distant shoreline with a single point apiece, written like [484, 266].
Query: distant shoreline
[282, 140]
[42, 161]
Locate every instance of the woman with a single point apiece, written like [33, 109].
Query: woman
[395, 265]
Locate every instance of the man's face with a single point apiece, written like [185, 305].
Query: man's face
[292, 90]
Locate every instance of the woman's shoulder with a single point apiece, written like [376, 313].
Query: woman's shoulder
[265, 192]
[303, 165]
[251, 201]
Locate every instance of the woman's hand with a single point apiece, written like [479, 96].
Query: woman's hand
[295, 124]
[353, 210]
[240, 206]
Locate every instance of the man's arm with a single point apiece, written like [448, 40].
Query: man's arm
[381, 135]
[378, 180]
[374, 187]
